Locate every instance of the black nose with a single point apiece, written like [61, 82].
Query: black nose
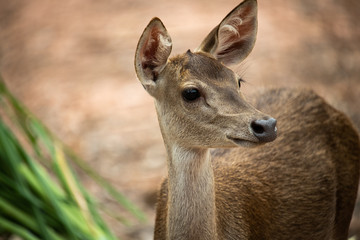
[264, 129]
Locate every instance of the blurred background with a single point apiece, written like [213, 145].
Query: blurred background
[71, 63]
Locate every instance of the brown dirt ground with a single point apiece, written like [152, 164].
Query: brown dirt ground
[71, 63]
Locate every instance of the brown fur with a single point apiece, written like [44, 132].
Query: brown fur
[301, 186]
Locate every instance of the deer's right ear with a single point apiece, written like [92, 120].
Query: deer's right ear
[233, 39]
[152, 53]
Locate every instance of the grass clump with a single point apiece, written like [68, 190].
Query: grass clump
[41, 197]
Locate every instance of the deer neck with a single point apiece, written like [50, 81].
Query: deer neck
[191, 203]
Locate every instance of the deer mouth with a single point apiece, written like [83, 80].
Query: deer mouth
[242, 141]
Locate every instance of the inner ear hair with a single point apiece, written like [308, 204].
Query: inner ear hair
[233, 39]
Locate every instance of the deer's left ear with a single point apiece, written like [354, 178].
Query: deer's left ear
[233, 39]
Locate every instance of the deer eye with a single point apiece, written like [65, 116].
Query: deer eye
[190, 94]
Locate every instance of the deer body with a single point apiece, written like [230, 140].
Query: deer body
[297, 187]
[303, 185]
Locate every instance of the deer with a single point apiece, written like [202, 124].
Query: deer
[233, 171]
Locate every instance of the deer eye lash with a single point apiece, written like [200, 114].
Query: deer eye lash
[240, 80]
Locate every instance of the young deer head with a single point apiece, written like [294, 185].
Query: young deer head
[197, 97]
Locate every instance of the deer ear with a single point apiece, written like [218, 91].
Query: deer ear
[152, 52]
[233, 39]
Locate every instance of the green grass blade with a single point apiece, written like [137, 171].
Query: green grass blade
[17, 229]
[107, 186]
[9, 210]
